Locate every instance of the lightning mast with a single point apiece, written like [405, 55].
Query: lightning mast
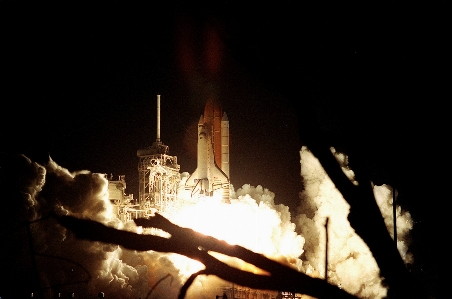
[158, 173]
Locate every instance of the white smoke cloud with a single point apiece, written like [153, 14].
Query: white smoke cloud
[350, 262]
[38, 247]
[22, 180]
[384, 197]
[65, 264]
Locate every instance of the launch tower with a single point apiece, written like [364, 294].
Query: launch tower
[123, 206]
[158, 173]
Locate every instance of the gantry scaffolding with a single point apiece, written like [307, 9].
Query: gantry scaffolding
[238, 292]
[159, 177]
[122, 204]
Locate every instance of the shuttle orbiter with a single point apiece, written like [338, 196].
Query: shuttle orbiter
[211, 177]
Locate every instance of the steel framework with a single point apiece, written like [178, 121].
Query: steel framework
[159, 177]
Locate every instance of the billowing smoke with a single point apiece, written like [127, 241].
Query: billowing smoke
[45, 258]
[384, 196]
[350, 262]
[56, 262]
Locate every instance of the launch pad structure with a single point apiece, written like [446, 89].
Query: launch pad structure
[158, 175]
[160, 179]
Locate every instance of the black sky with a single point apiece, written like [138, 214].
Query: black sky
[80, 79]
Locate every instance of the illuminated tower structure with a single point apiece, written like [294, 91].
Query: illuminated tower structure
[158, 174]
[211, 177]
[122, 203]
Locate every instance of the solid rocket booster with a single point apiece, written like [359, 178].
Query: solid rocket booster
[211, 177]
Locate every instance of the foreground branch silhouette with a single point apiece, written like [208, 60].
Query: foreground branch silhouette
[365, 216]
[196, 246]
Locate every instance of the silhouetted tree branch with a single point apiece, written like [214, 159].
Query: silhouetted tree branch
[312, 76]
[365, 216]
[156, 284]
[196, 246]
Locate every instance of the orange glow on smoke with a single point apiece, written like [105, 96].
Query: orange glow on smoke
[257, 227]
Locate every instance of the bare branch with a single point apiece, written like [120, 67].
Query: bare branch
[157, 283]
[196, 246]
[365, 216]
[188, 283]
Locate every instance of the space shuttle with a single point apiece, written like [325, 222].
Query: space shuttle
[211, 177]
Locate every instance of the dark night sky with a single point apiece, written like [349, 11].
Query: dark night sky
[79, 83]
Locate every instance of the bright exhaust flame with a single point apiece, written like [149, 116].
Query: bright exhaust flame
[238, 263]
[245, 222]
